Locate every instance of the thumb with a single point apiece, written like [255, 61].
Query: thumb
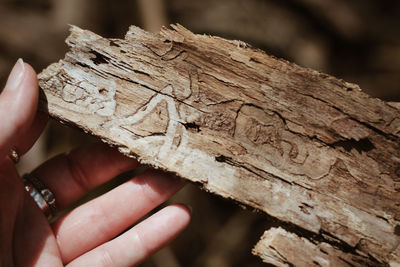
[18, 103]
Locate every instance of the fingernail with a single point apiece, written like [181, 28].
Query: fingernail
[16, 75]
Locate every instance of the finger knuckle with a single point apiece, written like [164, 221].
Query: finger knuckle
[106, 259]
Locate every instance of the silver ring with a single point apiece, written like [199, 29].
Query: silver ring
[14, 155]
[43, 197]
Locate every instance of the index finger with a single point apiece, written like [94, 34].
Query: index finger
[18, 103]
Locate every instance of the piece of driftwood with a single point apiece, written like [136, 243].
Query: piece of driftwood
[311, 151]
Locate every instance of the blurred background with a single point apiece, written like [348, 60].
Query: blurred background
[358, 41]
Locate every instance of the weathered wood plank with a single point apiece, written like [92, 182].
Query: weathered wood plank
[283, 248]
[306, 148]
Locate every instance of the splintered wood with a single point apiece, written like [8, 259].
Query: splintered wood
[308, 149]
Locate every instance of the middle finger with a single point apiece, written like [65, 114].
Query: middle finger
[70, 176]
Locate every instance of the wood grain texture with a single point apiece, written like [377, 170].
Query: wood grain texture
[310, 150]
[283, 248]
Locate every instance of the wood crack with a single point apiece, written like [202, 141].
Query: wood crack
[390, 137]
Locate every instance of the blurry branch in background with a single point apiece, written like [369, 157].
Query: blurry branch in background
[340, 15]
[153, 14]
[70, 12]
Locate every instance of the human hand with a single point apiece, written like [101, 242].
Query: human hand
[87, 235]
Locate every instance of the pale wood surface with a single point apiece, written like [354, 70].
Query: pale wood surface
[308, 149]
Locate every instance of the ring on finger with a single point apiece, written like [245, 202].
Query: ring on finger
[43, 197]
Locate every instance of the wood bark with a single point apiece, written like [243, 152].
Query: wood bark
[310, 150]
